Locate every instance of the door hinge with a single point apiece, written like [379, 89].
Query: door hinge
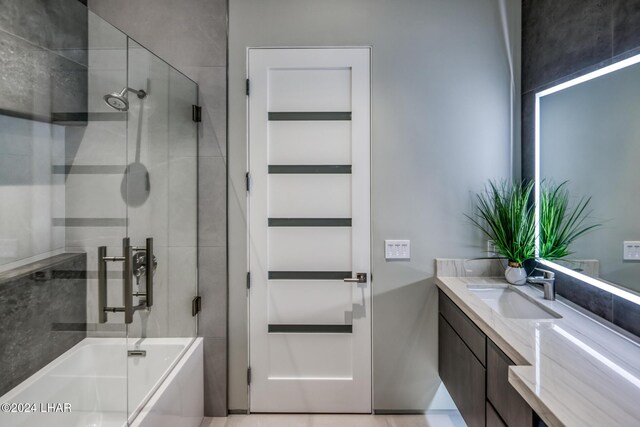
[248, 87]
[248, 280]
[196, 305]
[196, 113]
[248, 376]
[248, 180]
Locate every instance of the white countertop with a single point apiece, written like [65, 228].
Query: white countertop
[572, 371]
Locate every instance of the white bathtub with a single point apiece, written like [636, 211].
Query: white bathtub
[89, 381]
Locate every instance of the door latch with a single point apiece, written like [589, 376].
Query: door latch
[360, 278]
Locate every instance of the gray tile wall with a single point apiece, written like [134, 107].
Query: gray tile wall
[32, 196]
[43, 58]
[43, 315]
[560, 41]
[192, 36]
[43, 71]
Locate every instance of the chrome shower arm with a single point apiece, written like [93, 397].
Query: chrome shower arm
[139, 92]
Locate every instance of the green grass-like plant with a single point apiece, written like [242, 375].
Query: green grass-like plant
[559, 224]
[505, 215]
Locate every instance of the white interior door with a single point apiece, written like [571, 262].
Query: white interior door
[309, 217]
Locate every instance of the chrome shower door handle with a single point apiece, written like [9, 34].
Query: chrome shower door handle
[150, 267]
[102, 284]
[127, 282]
[360, 278]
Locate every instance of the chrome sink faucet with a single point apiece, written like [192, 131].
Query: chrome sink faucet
[547, 280]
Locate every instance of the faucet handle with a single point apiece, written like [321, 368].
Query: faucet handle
[546, 273]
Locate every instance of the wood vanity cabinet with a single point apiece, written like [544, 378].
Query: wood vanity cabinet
[463, 375]
[493, 419]
[508, 403]
[475, 372]
[461, 356]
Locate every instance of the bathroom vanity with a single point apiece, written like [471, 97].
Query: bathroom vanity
[508, 357]
[475, 371]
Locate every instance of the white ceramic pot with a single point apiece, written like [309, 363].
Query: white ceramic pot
[515, 274]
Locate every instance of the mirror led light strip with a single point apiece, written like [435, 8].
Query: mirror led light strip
[615, 290]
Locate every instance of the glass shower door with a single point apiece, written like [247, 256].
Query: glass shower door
[96, 223]
[161, 194]
[100, 174]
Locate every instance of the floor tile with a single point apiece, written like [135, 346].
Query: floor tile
[436, 419]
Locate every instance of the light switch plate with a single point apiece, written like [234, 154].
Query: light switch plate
[397, 249]
[631, 250]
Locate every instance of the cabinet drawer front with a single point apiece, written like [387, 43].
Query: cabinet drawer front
[468, 331]
[462, 374]
[513, 409]
[493, 419]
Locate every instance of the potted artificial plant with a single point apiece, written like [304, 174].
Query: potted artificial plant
[505, 214]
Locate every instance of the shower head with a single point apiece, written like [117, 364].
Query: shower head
[118, 100]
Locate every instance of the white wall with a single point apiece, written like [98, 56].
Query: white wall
[441, 109]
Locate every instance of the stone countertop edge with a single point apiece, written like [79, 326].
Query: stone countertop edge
[560, 404]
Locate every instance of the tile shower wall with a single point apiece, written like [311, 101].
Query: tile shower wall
[560, 41]
[94, 163]
[43, 315]
[43, 58]
[102, 207]
[43, 74]
[32, 196]
[192, 36]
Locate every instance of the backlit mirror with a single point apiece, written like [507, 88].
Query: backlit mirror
[588, 134]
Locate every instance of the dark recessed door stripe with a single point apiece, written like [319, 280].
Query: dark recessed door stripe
[310, 116]
[311, 329]
[309, 222]
[309, 275]
[338, 169]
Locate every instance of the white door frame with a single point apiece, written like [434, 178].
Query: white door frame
[360, 201]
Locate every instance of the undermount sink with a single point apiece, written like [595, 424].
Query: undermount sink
[512, 304]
